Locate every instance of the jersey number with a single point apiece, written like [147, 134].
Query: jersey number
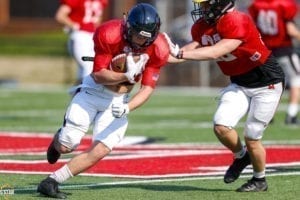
[208, 40]
[267, 22]
[93, 11]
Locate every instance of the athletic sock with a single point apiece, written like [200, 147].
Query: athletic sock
[62, 174]
[259, 175]
[292, 110]
[240, 154]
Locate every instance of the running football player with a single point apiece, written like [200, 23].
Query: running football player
[103, 98]
[230, 37]
[81, 18]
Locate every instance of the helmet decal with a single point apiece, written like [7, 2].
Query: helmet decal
[145, 34]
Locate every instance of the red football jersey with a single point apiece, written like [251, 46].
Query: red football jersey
[109, 42]
[86, 12]
[271, 17]
[234, 25]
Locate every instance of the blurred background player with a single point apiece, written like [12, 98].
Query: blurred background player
[103, 97]
[81, 18]
[230, 37]
[274, 19]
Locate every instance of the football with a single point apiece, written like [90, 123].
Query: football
[118, 63]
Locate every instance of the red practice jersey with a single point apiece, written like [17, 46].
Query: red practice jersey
[109, 42]
[271, 17]
[86, 12]
[234, 25]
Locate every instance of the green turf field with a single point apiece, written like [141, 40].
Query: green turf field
[171, 116]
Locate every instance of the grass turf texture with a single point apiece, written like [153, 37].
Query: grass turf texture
[40, 44]
[170, 116]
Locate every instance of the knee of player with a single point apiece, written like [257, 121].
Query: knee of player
[221, 130]
[63, 149]
[69, 139]
[254, 130]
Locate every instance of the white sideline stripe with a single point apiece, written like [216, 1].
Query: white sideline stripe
[143, 153]
[77, 186]
[25, 134]
[136, 147]
[137, 155]
[215, 171]
[213, 145]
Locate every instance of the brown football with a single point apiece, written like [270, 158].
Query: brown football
[118, 63]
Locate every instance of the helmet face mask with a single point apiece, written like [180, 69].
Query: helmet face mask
[210, 10]
[142, 24]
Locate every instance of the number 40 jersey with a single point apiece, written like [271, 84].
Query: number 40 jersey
[271, 17]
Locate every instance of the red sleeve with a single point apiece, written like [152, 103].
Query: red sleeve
[158, 53]
[104, 3]
[71, 3]
[107, 44]
[194, 32]
[252, 11]
[233, 26]
[289, 9]
[102, 52]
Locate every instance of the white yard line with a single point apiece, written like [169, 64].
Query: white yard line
[149, 181]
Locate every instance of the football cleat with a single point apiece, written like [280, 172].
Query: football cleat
[52, 154]
[235, 169]
[49, 187]
[291, 120]
[254, 185]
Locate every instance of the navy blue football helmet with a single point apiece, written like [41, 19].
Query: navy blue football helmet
[144, 21]
[210, 10]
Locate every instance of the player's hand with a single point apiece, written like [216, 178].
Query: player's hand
[120, 110]
[75, 27]
[174, 48]
[135, 68]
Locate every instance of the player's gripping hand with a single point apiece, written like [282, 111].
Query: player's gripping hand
[174, 48]
[135, 68]
[120, 110]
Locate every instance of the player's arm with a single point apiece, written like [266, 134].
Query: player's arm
[140, 97]
[62, 17]
[189, 46]
[293, 30]
[193, 51]
[101, 73]
[216, 51]
[121, 109]
[109, 77]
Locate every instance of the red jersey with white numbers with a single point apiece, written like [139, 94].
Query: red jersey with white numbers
[271, 17]
[86, 12]
[234, 25]
[109, 42]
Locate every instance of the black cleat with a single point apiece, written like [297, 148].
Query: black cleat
[52, 154]
[49, 188]
[235, 169]
[291, 120]
[254, 185]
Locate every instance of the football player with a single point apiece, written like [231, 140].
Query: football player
[275, 21]
[81, 18]
[230, 37]
[103, 98]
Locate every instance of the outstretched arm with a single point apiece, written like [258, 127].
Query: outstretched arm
[223, 47]
[194, 51]
[293, 30]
